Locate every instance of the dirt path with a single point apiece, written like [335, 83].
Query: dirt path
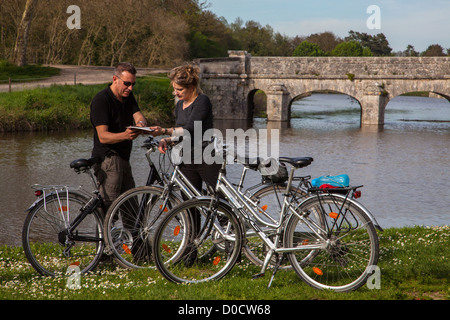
[75, 75]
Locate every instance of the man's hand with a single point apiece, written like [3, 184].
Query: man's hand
[131, 134]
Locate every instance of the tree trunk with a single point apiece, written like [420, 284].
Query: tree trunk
[20, 50]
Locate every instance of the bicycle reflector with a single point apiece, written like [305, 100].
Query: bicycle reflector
[356, 194]
[333, 215]
[38, 193]
[126, 249]
[318, 271]
[216, 261]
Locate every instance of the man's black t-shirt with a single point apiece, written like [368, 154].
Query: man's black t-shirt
[107, 110]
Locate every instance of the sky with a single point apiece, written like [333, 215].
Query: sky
[417, 22]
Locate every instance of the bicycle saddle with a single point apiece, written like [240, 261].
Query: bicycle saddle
[299, 162]
[84, 164]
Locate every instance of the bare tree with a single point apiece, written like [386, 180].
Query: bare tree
[93, 31]
[166, 45]
[20, 50]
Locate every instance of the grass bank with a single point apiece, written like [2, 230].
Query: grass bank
[64, 107]
[414, 263]
[29, 72]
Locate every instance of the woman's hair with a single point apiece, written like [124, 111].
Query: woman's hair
[187, 75]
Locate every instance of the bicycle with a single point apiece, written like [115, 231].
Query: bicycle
[131, 219]
[64, 226]
[329, 239]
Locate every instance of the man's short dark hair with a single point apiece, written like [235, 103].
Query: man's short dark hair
[124, 66]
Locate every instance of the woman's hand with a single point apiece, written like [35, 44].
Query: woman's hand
[163, 145]
[157, 131]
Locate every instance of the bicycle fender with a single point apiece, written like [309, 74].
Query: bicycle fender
[369, 214]
[38, 200]
[34, 204]
[364, 209]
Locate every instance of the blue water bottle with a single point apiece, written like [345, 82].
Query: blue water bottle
[341, 181]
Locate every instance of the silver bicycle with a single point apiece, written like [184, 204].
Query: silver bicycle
[329, 239]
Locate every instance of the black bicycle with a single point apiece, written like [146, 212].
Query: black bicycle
[64, 226]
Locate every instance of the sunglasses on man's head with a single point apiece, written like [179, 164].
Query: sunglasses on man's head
[127, 83]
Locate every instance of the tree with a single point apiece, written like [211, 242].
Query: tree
[259, 40]
[327, 41]
[308, 49]
[410, 52]
[377, 44]
[208, 35]
[20, 50]
[434, 50]
[351, 49]
[282, 45]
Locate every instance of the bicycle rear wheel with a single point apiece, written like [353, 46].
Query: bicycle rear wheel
[130, 225]
[197, 252]
[339, 240]
[46, 244]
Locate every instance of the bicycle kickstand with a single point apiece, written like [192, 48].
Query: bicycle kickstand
[275, 269]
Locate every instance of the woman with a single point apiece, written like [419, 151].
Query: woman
[192, 109]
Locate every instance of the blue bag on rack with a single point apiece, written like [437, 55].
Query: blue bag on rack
[340, 181]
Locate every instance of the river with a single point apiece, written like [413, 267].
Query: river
[403, 165]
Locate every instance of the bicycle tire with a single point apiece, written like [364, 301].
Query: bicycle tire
[44, 241]
[127, 240]
[183, 254]
[270, 198]
[344, 255]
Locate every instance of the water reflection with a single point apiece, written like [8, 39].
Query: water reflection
[403, 165]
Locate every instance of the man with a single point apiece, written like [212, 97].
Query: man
[112, 111]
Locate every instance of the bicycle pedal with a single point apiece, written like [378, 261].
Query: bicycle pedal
[108, 250]
[258, 275]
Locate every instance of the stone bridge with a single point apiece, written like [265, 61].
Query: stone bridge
[231, 82]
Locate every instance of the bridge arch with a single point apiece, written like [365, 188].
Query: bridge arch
[414, 89]
[445, 96]
[257, 104]
[308, 94]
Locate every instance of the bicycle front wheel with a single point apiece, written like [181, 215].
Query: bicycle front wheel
[130, 225]
[336, 245]
[204, 250]
[49, 248]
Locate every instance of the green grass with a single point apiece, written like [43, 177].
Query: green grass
[62, 107]
[414, 263]
[29, 72]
